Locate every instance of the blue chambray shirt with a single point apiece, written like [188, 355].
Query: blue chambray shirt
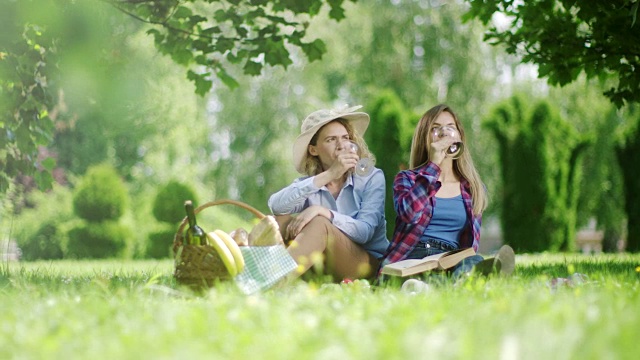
[358, 211]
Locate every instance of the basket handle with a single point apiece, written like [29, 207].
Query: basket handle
[177, 240]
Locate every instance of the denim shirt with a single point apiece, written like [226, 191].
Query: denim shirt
[358, 211]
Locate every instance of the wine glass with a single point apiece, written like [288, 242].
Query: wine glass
[364, 167]
[443, 131]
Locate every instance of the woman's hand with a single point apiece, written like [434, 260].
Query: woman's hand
[438, 153]
[299, 222]
[343, 162]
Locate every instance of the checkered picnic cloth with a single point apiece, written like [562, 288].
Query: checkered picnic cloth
[264, 266]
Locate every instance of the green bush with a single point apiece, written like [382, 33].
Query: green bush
[389, 139]
[540, 156]
[169, 202]
[628, 155]
[97, 240]
[159, 245]
[41, 230]
[45, 244]
[101, 195]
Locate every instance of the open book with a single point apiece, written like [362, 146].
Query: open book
[440, 261]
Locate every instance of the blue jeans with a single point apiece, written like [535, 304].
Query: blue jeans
[461, 268]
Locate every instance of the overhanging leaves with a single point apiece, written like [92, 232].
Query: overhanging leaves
[25, 66]
[565, 38]
[210, 33]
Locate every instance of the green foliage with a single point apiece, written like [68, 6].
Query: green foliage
[168, 207]
[46, 244]
[628, 155]
[115, 98]
[160, 243]
[27, 67]
[101, 195]
[40, 230]
[97, 240]
[566, 38]
[172, 138]
[217, 34]
[602, 192]
[389, 138]
[100, 199]
[253, 138]
[54, 57]
[105, 81]
[418, 49]
[539, 155]
[169, 202]
[82, 145]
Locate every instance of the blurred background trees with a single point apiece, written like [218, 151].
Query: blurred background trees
[628, 156]
[568, 39]
[540, 164]
[390, 140]
[112, 97]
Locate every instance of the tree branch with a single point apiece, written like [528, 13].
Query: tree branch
[161, 23]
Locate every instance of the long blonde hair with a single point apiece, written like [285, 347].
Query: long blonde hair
[312, 164]
[463, 166]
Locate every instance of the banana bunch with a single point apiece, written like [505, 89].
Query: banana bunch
[266, 233]
[228, 250]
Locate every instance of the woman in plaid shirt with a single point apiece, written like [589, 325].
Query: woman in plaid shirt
[439, 201]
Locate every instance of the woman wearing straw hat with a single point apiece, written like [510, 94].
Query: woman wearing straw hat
[333, 218]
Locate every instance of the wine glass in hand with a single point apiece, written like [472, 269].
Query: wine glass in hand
[447, 131]
[364, 167]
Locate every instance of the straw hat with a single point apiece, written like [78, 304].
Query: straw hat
[316, 120]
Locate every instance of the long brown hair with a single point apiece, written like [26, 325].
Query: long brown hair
[312, 164]
[463, 166]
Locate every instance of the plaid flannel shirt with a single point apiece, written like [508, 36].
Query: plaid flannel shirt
[414, 199]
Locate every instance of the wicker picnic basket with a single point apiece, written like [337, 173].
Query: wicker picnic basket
[201, 266]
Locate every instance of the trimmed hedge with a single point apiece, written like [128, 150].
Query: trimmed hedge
[97, 240]
[539, 158]
[45, 244]
[168, 206]
[101, 195]
[389, 138]
[160, 243]
[628, 155]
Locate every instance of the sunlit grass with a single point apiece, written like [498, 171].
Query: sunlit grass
[133, 309]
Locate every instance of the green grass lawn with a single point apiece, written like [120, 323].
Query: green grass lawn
[134, 310]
